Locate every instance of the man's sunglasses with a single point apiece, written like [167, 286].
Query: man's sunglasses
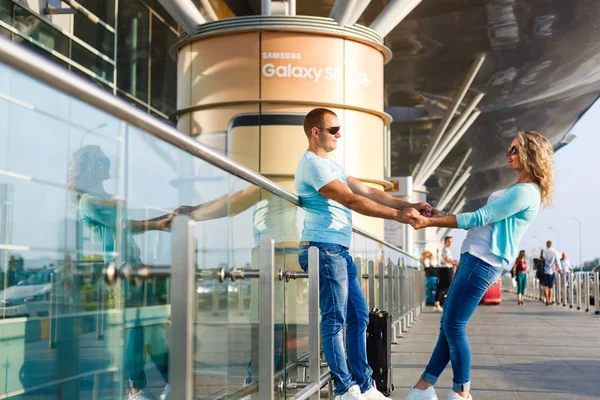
[332, 131]
[512, 151]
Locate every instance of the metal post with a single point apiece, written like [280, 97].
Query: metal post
[183, 306]
[358, 263]
[571, 290]
[100, 312]
[390, 285]
[597, 293]
[586, 276]
[371, 267]
[266, 316]
[314, 361]
[51, 336]
[382, 287]
[563, 285]
[398, 305]
[578, 291]
[265, 9]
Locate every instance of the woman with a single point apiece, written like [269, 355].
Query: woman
[493, 239]
[519, 270]
[99, 211]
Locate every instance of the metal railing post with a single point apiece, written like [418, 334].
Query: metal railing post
[390, 285]
[398, 298]
[571, 289]
[586, 276]
[314, 337]
[578, 291]
[596, 293]
[359, 274]
[371, 272]
[266, 317]
[382, 286]
[183, 306]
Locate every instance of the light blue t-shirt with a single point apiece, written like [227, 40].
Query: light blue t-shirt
[326, 221]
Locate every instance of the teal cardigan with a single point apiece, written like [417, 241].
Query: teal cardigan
[509, 215]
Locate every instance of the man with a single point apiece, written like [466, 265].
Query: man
[328, 195]
[446, 268]
[551, 265]
[565, 269]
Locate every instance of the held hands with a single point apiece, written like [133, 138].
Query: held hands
[419, 215]
[412, 217]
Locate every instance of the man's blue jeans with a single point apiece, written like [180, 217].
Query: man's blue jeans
[473, 278]
[342, 305]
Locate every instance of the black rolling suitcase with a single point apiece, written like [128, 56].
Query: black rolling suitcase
[379, 349]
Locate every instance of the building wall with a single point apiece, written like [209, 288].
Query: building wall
[122, 46]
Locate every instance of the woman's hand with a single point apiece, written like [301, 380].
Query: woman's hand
[423, 208]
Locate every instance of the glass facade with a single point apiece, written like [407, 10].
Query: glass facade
[123, 48]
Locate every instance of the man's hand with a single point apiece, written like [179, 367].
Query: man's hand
[413, 217]
[407, 215]
[423, 208]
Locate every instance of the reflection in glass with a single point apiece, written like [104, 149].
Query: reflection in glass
[104, 216]
[133, 48]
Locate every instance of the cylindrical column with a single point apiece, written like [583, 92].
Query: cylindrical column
[245, 85]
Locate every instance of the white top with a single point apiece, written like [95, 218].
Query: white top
[446, 253]
[479, 240]
[551, 259]
[565, 266]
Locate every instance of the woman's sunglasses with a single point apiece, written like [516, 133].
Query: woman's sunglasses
[512, 151]
[332, 131]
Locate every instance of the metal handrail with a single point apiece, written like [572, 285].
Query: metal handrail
[59, 78]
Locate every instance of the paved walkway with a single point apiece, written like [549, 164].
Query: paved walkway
[528, 353]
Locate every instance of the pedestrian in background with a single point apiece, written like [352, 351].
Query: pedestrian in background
[519, 270]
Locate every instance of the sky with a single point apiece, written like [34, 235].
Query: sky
[576, 195]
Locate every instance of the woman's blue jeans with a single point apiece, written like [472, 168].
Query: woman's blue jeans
[521, 283]
[342, 305]
[472, 279]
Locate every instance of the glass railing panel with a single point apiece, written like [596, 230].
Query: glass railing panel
[296, 297]
[61, 326]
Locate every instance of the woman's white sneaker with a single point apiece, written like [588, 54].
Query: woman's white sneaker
[454, 396]
[427, 394]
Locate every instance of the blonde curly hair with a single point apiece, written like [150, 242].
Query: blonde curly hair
[537, 155]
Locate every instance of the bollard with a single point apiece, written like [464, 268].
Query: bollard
[571, 290]
[596, 293]
[578, 289]
[586, 276]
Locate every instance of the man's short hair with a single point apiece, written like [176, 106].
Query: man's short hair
[447, 238]
[315, 119]
[549, 243]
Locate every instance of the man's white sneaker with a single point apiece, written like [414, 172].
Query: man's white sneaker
[374, 394]
[427, 394]
[454, 396]
[352, 394]
[438, 309]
